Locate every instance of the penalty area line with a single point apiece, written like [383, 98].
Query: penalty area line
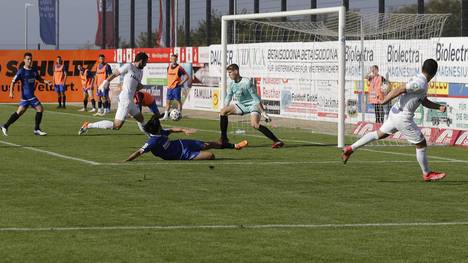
[240, 226]
[51, 153]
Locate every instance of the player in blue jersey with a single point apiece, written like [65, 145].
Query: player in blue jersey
[160, 145]
[248, 101]
[27, 75]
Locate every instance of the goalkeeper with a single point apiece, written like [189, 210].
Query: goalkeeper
[248, 101]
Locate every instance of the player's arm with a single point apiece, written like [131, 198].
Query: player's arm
[186, 76]
[13, 81]
[228, 97]
[393, 94]
[433, 105]
[178, 130]
[135, 155]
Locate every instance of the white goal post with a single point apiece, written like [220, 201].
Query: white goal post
[339, 11]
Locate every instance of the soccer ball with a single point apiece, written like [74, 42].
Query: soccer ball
[175, 115]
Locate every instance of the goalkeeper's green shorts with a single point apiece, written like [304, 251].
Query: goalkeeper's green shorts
[242, 109]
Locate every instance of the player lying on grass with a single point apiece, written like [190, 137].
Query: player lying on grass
[401, 116]
[160, 145]
[248, 101]
[132, 72]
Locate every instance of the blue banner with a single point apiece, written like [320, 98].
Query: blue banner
[47, 21]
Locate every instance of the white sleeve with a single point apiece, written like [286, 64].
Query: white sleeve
[413, 86]
[124, 69]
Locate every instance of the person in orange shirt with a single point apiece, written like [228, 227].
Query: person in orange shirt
[174, 85]
[103, 71]
[142, 98]
[87, 80]
[376, 94]
[60, 80]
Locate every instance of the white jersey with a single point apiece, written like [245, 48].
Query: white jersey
[132, 77]
[416, 91]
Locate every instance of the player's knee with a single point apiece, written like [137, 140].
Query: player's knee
[255, 125]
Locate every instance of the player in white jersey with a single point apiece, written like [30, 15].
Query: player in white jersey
[133, 72]
[411, 95]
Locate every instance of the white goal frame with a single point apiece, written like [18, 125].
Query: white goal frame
[341, 11]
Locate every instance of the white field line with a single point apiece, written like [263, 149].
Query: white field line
[299, 141]
[259, 162]
[50, 153]
[246, 226]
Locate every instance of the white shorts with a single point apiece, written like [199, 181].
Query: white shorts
[404, 124]
[241, 109]
[124, 108]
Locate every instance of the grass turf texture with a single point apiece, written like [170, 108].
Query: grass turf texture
[304, 183]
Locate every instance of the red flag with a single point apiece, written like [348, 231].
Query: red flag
[109, 13]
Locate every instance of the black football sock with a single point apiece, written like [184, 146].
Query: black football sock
[99, 104]
[85, 103]
[93, 102]
[229, 146]
[64, 99]
[38, 121]
[267, 133]
[60, 100]
[223, 125]
[108, 104]
[11, 120]
[105, 104]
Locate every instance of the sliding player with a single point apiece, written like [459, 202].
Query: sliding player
[27, 75]
[87, 80]
[248, 101]
[401, 116]
[133, 73]
[160, 145]
[60, 80]
[142, 98]
[103, 71]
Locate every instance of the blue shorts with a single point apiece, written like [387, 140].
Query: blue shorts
[34, 102]
[191, 149]
[174, 94]
[153, 108]
[60, 88]
[104, 93]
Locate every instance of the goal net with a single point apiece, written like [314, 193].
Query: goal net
[314, 77]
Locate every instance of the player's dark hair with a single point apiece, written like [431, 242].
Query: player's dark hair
[430, 67]
[174, 55]
[59, 57]
[233, 67]
[153, 126]
[27, 54]
[102, 56]
[376, 67]
[140, 56]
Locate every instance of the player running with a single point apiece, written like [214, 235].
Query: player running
[401, 116]
[60, 80]
[87, 80]
[160, 145]
[103, 71]
[27, 75]
[133, 72]
[248, 101]
[142, 98]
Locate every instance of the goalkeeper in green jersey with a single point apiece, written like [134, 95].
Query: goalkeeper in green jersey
[248, 101]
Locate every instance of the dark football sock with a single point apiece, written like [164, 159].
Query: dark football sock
[223, 125]
[100, 104]
[85, 103]
[64, 99]
[38, 121]
[267, 133]
[11, 120]
[93, 102]
[60, 100]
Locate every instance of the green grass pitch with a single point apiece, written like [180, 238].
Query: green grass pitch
[296, 204]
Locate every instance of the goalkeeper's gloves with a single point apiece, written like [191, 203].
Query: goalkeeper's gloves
[266, 117]
[104, 85]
